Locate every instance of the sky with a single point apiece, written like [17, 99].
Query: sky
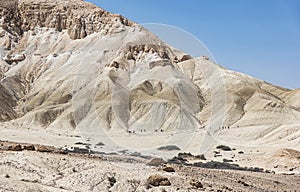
[257, 37]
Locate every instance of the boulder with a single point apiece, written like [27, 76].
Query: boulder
[16, 147]
[168, 168]
[29, 147]
[158, 180]
[156, 162]
[196, 184]
[42, 148]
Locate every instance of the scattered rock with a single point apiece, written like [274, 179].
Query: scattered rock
[224, 148]
[10, 59]
[158, 180]
[80, 150]
[74, 170]
[156, 162]
[205, 57]
[223, 165]
[268, 171]
[201, 157]
[112, 180]
[196, 184]
[2, 34]
[42, 148]
[29, 147]
[136, 154]
[191, 156]
[185, 155]
[217, 155]
[243, 183]
[165, 183]
[246, 184]
[16, 147]
[29, 181]
[168, 168]
[177, 160]
[79, 143]
[185, 58]
[227, 160]
[100, 144]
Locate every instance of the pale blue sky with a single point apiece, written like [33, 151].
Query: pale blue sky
[257, 37]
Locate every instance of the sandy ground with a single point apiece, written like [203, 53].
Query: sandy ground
[37, 171]
[267, 152]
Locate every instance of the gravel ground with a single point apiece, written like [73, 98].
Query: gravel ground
[52, 171]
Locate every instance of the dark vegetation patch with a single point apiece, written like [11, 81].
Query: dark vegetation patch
[169, 148]
[213, 164]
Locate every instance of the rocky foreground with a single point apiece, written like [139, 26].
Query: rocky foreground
[26, 167]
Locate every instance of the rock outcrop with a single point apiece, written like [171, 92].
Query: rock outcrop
[26, 15]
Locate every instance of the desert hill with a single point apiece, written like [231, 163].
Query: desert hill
[71, 72]
[55, 53]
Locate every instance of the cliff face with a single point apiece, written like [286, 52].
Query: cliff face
[66, 63]
[78, 18]
[17, 18]
[10, 17]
